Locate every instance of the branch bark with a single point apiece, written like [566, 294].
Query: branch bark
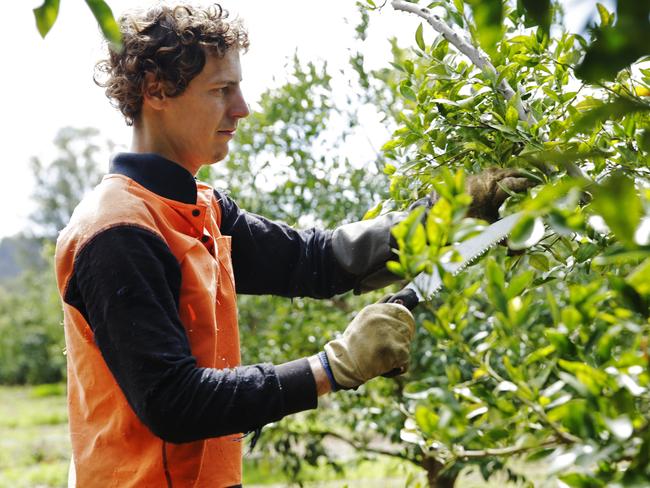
[465, 46]
[503, 451]
[480, 60]
[362, 447]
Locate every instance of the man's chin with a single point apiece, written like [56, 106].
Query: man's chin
[220, 155]
[216, 158]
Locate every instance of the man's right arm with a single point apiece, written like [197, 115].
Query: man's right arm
[126, 284]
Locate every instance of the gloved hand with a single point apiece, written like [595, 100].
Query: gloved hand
[377, 341]
[487, 195]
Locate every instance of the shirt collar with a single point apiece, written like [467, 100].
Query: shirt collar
[157, 174]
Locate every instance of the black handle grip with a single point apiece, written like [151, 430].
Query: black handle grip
[406, 297]
[409, 299]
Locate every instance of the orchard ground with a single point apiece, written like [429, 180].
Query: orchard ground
[35, 448]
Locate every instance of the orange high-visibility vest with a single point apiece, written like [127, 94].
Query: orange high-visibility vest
[111, 446]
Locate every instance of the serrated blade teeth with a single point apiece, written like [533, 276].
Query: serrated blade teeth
[427, 285]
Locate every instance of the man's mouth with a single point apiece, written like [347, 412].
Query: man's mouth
[228, 132]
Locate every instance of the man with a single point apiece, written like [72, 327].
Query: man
[150, 262]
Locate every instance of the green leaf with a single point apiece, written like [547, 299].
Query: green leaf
[407, 92]
[644, 140]
[46, 15]
[594, 379]
[539, 354]
[374, 211]
[512, 117]
[539, 262]
[578, 480]
[519, 283]
[392, 144]
[606, 18]
[639, 279]
[426, 420]
[488, 15]
[419, 38]
[395, 268]
[602, 112]
[495, 274]
[586, 251]
[527, 232]
[496, 286]
[514, 372]
[618, 203]
[104, 16]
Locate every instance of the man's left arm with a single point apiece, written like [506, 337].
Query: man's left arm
[273, 258]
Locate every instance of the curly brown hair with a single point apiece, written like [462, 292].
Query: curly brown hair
[171, 42]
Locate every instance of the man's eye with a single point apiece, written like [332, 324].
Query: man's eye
[219, 91]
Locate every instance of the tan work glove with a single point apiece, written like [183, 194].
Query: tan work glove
[487, 194]
[377, 341]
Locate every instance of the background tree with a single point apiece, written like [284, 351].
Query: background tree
[32, 344]
[62, 183]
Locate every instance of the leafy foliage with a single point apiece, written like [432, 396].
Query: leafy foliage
[62, 183]
[48, 12]
[31, 330]
[541, 352]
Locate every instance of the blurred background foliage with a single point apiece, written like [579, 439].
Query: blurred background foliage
[536, 354]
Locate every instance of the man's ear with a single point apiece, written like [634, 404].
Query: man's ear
[153, 92]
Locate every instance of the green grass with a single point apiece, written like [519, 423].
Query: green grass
[34, 444]
[383, 471]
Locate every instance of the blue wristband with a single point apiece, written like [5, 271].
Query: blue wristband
[328, 371]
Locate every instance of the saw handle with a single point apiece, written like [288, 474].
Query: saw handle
[406, 297]
[409, 299]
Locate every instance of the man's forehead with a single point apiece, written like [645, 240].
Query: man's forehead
[226, 69]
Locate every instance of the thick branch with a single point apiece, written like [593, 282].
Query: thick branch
[480, 60]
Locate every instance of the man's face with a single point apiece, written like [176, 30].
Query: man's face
[200, 122]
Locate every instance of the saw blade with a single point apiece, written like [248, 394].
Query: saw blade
[426, 285]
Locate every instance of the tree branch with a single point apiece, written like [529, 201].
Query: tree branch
[465, 46]
[503, 451]
[480, 60]
[566, 437]
[362, 447]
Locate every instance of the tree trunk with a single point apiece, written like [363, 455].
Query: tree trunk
[434, 477]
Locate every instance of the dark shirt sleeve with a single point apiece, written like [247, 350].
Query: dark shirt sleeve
[273, 258]
[126, 284]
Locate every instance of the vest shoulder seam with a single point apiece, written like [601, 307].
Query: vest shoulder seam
[95, 235]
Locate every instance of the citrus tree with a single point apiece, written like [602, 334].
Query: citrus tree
[540, 349]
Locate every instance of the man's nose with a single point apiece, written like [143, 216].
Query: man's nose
[240, 108]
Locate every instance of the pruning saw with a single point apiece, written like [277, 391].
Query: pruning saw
[426, 285]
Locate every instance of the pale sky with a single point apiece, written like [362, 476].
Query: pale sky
[46, 84]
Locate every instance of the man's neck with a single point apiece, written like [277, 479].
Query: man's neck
[145, 140]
